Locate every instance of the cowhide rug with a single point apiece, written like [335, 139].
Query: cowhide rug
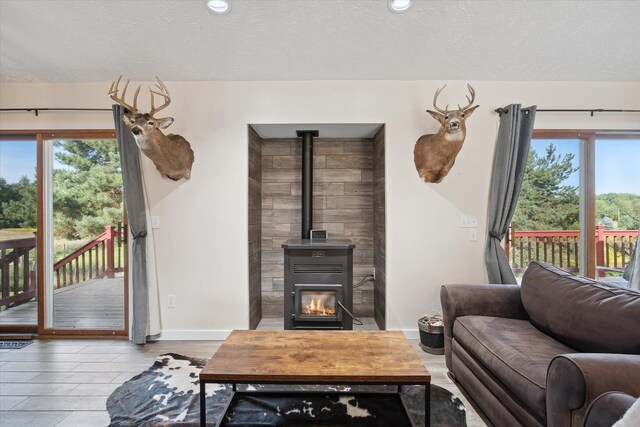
[168, 394]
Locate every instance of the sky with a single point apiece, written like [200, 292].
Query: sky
[617, 162]
[17, 158]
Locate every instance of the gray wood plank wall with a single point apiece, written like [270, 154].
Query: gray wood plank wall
[379, 230]
[255, 228]
[343, 204]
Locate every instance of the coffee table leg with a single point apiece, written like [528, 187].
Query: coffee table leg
[203, 404]
[427, 404]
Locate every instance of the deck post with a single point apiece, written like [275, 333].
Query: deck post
[600, 248]
[110, 235]
[507, 242]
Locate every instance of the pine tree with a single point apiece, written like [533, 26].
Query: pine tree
[18, 204]
[87, 190]
[545, 203]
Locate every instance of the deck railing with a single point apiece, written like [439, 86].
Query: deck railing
[17, 271]
[560, 248]
[102, 257]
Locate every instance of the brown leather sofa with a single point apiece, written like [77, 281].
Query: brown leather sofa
[607, 409]
[539, 354]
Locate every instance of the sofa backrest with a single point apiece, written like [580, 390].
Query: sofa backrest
[581, 313]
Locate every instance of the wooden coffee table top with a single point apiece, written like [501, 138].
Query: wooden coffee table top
[316, 357]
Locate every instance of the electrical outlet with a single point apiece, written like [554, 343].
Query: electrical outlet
[468, 221]
[473, 234]
[155, 222]
[171, 301]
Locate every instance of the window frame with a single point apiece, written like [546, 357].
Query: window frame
[41, 136]
[587, 137]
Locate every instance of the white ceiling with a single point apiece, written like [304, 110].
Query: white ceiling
[97, 40]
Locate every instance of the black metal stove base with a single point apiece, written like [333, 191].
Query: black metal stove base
[347, 326]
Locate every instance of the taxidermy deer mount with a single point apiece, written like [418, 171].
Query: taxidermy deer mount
[435, 154]
[171, 154]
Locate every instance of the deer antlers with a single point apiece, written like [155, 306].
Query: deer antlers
[446, 109]
[435, 98]
[473, 97]
[162, 91]
[113, 94]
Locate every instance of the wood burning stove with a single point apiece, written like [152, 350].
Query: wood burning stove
[318, 273]
[318, 284]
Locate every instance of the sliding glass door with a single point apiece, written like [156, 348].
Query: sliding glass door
[87, 241]
[579, 208]
[546, 224]
[18, 232]
[61, 199]
[617, 204]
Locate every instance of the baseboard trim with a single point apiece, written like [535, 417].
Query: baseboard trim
[194, 335]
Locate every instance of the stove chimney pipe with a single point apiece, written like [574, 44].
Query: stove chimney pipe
[307, 180]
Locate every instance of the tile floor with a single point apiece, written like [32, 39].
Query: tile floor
[67, 382]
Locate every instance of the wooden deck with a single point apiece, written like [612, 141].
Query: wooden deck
[92, 304]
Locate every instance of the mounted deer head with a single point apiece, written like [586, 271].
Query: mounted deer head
[435, 154]
[171, 154]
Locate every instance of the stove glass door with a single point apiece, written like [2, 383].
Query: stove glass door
[318, 302]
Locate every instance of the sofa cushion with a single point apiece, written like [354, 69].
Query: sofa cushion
[514, 351]
[581, 313]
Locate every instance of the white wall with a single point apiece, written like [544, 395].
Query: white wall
[202, 245]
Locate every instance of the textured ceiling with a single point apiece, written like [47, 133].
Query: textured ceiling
[97, 40]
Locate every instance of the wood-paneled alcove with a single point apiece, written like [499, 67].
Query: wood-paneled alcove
[348, 201]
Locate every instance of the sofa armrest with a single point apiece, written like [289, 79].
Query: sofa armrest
[478, 300]
[575, 380]
[607, 409]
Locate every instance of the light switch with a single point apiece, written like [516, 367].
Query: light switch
[468, 221]
[473, 234]
[155, 222]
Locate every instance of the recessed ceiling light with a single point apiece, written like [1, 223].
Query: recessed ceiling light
[397, 6]
[219, 6]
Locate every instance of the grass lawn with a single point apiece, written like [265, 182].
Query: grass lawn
[16, 233]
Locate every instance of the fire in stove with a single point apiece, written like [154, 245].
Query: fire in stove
[317, 308]
[318, 303]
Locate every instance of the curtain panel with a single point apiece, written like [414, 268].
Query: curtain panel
[632, 271]
[509, 163]
[137, 213]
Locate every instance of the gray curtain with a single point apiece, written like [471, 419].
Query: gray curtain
[509, 163]
[632, 271]
[137, 215]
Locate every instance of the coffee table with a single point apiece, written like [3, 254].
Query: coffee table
[315, 357]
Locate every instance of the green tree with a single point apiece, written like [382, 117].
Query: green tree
[18, 204]
[623, 209]
[7, 191]
[545, 203]
[87, 189]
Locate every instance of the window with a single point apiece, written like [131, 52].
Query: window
[579, 208]
[18, 230]
[62, 234]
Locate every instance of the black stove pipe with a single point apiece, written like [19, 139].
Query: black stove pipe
[307, 180]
